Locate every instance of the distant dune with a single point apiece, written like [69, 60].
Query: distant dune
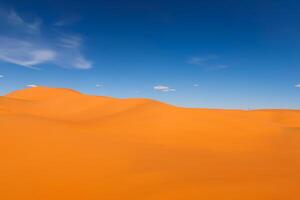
[58, 144]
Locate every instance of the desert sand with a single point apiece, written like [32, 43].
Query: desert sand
[59, 144]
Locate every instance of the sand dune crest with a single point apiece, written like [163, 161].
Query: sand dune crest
[61, 144]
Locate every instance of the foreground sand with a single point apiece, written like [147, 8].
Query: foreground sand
[57, 144]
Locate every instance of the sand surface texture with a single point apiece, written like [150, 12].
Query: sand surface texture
[58, 144]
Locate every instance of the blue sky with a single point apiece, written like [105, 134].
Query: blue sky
[215, 54]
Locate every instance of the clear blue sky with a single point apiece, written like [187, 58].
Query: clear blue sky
[215, 54]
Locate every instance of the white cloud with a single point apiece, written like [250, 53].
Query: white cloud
[196, 85]
[99, 85]
[70, 54]
[221, 66]
[1, 76]
[32, 85]
[206, 61]
[297, 86]
[163, 88]
[70, 41]
[24, 53]
[29, 51]
[197, 61]
[81, 63]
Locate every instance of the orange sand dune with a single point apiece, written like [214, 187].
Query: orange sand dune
[58, 144]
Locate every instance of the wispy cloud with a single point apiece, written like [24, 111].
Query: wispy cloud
[19, 46]
[81, 63]
[211, 61]
[201, 61]
[1, 76]
[70, 41]
[163, 88]
[13, 19]
[196, 85]
[32, 85]
[297, 85]
[70, 54]
[24, 53]
[99, 85]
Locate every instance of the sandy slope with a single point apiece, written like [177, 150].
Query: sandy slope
[59, 144]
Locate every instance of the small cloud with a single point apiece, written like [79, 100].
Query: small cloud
[221, 66]
[206, 61]
[200, 61]
[32, 85]
[297, 86]
[163, 88]
[70, 41]
[99, 85]
[196, 85]
[1, 76]
[81, 63]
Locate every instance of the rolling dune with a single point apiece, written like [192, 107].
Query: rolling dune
[58, 144]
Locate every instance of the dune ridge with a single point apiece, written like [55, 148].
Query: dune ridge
[60, 144]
